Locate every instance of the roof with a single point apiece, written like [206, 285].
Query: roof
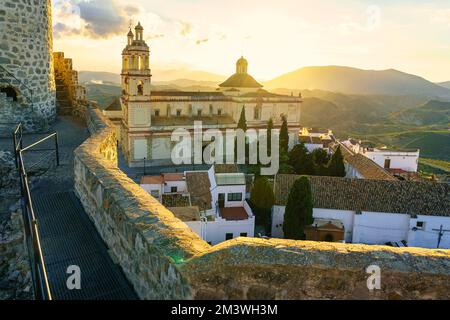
[261, 93]
[175, 200]
[407, 197]
[152, 180]
[159, 179]
[227, 179]
[240, 80]
[116, 105]
[226, 168]
[199, 188]
[233, 213]
[367, 168]
[333, 223]
[186, 214]
[173, 176]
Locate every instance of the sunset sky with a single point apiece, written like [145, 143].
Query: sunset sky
[276, 36]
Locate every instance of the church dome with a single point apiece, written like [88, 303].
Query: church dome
[241, 79]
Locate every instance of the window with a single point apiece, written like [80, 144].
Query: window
[140, 88]
[387, 163]
[178, 113]
[10, 92]
[211, 109]
[219, 112]
[235, 197]
[228, 236]
[257, 113]
[155, 193]
[420, 225]
[156, 112]
[243, 234]
[173, 189]
[199, 113]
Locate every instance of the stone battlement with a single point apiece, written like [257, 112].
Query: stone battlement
[164, 259]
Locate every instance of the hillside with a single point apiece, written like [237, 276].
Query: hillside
[432, 113]
[357, 81]
[181, 77]
[445, 84]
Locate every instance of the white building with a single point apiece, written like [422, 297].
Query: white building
[148, 118]
[212, 204]
[375, 211]
[396, 161]
[315, 138]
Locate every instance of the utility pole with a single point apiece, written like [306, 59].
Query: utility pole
[441, 233]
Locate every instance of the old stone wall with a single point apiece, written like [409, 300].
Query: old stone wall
[26, 52]
[164, 259]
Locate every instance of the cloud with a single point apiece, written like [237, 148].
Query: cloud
[200, 41]
[185, 28]
[94, 18]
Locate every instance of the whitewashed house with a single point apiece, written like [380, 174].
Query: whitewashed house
[375, 211]
[397, 161]
[212, 204]
[315, 138]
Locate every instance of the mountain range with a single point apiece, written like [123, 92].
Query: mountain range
[331, 78]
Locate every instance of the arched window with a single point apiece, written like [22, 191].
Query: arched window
[140, 88]
[329, 237]
[10, 92]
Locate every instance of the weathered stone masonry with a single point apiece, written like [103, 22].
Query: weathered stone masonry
[164, 259]
[26, 52]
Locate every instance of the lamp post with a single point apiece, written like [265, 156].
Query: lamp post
[144, 165]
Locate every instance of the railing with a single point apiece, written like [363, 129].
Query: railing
[21, 83]
[39, 274]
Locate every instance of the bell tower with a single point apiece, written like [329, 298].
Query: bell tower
[136, 81]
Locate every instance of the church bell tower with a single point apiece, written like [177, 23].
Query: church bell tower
[136, 81]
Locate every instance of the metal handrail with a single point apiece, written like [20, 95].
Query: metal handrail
[39, 273]
[30, 99]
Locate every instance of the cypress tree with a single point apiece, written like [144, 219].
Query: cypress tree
[299, 210]
[336, 167]
[284, 136]
[242, 124]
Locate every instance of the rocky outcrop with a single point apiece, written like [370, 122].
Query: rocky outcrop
[164, 259]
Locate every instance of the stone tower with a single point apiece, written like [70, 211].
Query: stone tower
[27, 83]
[136, 81]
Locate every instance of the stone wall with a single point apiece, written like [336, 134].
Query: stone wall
[164, 259]
[26, 52]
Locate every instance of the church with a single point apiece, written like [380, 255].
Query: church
[145, 119]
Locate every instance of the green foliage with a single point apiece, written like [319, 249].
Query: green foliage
[299, 210]
[336, 167]
[284, 136]
[262, 200]
[242, 124]
[285, 167]
[269, 136]
[300, 160]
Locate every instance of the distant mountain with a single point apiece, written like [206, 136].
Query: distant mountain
[432, 113]
[181, 77]
[98, 77]
[357, 81]
[445, 84]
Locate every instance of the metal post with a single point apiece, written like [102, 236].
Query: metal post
[15, 149]
[57, 148]
[144, 166]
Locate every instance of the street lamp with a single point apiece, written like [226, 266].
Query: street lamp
[144, 165]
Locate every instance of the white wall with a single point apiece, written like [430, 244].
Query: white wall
[427, 237]
[379, 228]
[181, 186]
[407, 161]
[150, 187]
[346, 217]
[230, 189]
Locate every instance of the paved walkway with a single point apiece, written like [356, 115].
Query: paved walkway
[68, 237]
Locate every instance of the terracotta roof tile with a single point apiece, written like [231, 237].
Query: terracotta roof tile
[408, 197]
[200, 189]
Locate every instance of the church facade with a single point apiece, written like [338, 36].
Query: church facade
[146, 118]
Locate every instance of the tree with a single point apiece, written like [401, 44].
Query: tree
[300, 160]
[242, 124]
[299, 210]
[284, 136]
[320, 160]
[269, 136]
[336, 167]
[262, 200]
